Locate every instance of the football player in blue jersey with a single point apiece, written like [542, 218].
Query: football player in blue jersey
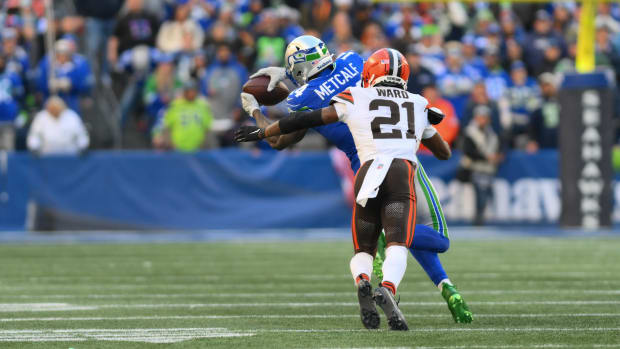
[319, 77]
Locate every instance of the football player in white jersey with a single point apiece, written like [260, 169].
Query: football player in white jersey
[387, 123]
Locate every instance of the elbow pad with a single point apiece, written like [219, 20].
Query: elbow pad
[435, 116]
[301, 120]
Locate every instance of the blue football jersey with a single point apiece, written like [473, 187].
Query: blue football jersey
[318, 92]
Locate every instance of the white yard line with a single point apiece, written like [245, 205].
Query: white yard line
[550, 345]
[15, 307]
[294, 294]
[172, 335]
[289, 316]
[147, 335]
[457, 329]
[267, 285]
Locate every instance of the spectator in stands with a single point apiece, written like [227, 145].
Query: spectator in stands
[100, 20]
[520, 99]
[567, 64]
[174, 32]
[269, 45]
[540, 39]
[430, 49]
[419, 76]
[16, 57]
[316, 14]
[343, 39]
[562, 17]
[606, 54]
[473, 64]
[289, 22]
[160, 89]
[71, 78]
[455, 84]
[186, 123]
[223, 32]
[449, 127]
[57, 130]
[551, 56]
[496, 79]
[11, 91]
[481, 156]
[480, 97]
[511, 28]
[605, 18]
[373, 38]
[222, 85]
[543, 128]
[134, 28]
[134, 67]
[513, 52]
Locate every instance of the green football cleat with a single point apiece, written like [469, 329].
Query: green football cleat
[456, 304]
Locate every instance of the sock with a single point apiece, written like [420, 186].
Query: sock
[361, 263]
[394, 265]
[429, 261]
[444, 281]
[390, 286]
[361, 277]
[428, 239]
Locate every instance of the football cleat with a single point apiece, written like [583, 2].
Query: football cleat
[368, 310]
[456, 304]
[385, 299]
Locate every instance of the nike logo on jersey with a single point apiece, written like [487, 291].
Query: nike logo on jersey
[336, 81]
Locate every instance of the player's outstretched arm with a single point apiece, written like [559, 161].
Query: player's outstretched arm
[279, 142]
[295, 122]
[250, 105]
[438, 146]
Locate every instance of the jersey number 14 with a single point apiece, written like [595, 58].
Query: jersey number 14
[393, 119]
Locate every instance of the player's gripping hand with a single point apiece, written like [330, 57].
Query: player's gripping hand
[249, 134]
[275, 74]
[249, 103]
[435, 115]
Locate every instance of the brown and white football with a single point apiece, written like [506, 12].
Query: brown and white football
[258, 88]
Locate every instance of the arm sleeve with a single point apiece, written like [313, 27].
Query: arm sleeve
[301, 120]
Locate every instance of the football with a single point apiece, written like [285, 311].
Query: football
[258, 88]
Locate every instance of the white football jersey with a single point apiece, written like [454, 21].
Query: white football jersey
[384, 121]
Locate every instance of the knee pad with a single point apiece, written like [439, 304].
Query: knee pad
[444, 244]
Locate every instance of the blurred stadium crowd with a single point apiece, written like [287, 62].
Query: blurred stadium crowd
[167, 73]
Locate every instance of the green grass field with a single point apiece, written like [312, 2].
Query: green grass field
[525, 293]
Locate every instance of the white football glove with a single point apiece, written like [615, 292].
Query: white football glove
[275, 74]
[249, 103]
